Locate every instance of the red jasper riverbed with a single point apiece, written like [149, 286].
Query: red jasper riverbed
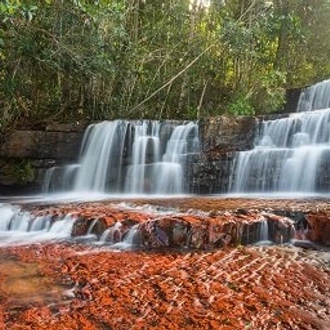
[79, 286]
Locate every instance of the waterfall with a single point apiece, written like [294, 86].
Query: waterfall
[132, 157]
[46, 187]
[168, 174]
[101, 156]
[315, 97]
[154, 170]
[21, 227]
[112, 235]
[59, 178]
[146, 151]
[291, 154]
[7, 213]
[130, 240]
[264, 231]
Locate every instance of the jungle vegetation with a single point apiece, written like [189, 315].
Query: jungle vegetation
[84, 60]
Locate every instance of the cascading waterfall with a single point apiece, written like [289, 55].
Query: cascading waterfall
[59, 177]
[21, 227]
[168, 174]
[153, 170]
[291, 154]
[146, 151]
[131, 157]
[112, 235]
[315, 97]
[101, 156]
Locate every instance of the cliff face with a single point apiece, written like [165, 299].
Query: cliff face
[25, 155]
[221, 137]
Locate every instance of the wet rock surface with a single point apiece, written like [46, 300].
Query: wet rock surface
[191, 271]
[234, 220]
[158, 226]
[255, 287]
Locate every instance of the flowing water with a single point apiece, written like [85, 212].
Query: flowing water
[291, 154]
[315, 97]
[264, 232]
[129, 157]
[18, 227]
[21, 227]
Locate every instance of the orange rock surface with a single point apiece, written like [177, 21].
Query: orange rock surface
[208, 212]
[57, 286]
[241, 288]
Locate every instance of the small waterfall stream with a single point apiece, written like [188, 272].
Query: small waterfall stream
[21, 227]
[291, 154]
[315, 97]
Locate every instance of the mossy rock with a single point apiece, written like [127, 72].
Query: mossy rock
[17, 171]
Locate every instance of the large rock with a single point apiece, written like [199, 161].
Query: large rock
[224, 134]
[221, 137]
[42, 145]
[319, 227]
[208, 173]
[25, 155]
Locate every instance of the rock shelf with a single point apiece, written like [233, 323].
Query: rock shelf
[199, 222]
[191, 230]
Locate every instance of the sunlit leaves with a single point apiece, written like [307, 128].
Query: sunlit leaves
[99, 59]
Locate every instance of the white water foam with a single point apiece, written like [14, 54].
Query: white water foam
[101, 156]
[130, 240]
[18, 227]
[315, 97]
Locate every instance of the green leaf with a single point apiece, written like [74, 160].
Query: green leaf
[11, 10]
[3, 8]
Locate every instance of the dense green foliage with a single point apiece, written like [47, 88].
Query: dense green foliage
[64, 60]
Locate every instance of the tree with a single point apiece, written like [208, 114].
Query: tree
[94, 60]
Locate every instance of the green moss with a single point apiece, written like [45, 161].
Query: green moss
[21, 171]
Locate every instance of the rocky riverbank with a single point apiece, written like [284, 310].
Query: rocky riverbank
[74, 285]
